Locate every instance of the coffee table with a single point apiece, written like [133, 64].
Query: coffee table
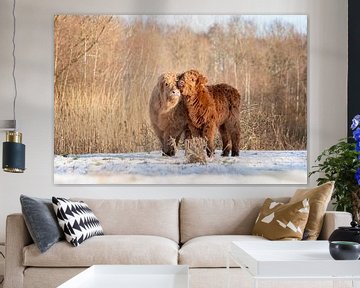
[293, 260]
[131, 276]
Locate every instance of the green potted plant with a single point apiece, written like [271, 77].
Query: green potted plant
[341, 163]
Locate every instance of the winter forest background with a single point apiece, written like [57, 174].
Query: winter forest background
[107, 66]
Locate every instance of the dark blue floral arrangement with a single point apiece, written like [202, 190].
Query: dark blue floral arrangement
[355, 126]
[341, 163]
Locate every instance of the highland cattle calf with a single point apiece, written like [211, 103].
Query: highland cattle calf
[167, 112]
[212, 107]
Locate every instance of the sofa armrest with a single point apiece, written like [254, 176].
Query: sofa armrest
[333, 220]
[17, 237]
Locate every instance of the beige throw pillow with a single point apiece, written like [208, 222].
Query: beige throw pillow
[279, 221]
[319, 198]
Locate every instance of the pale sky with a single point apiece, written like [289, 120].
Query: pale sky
[203, 22]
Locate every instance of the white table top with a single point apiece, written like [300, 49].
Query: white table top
[291, 259]
[131, 276]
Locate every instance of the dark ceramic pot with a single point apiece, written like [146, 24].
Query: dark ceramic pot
[351, 233]
[343, 250]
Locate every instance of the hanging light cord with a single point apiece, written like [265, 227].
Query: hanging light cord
[2, 278]
[14, 60]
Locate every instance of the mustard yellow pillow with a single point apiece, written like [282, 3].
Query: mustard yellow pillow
[279, 221]
[319, 198]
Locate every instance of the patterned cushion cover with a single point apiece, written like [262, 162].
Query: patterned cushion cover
[278, 221]
[319, 198]
[77, 220]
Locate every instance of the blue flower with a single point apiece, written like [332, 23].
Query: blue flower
[355, 122]
[357, 176]
[355, 126]
[356, 134]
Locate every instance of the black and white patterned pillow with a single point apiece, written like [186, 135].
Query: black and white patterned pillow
[77, 220]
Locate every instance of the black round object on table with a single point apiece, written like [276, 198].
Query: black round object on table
[344, 233]
[344, 250]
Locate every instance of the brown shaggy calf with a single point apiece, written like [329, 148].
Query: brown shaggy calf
[167, 112]
[212, 107]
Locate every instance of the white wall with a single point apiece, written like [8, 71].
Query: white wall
[326, 84]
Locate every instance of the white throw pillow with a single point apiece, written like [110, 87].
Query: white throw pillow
[76, 220]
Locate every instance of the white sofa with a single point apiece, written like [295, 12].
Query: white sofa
[194, 232]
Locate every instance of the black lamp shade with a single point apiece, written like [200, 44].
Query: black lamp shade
[13, 157]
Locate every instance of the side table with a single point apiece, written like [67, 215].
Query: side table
[294, 263]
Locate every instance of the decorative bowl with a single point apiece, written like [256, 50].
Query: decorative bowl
[347, 233]
[344, 250]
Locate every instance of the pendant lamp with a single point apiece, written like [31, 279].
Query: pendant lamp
[13, 158]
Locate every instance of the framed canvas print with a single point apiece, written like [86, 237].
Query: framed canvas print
[180, 99]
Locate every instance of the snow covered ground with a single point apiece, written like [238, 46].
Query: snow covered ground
[251, 167]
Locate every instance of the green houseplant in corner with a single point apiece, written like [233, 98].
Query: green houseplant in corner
[341, 163]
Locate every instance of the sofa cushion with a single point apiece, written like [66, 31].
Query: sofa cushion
[158, 217]
[35, 277]
[319, 198]
[211, 251]
[77, 220]
[201, 217]
[279, 221]
[107, 249]
[41, 221]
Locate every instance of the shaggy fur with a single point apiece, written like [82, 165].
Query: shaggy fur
[167, 112]
[212, 107]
